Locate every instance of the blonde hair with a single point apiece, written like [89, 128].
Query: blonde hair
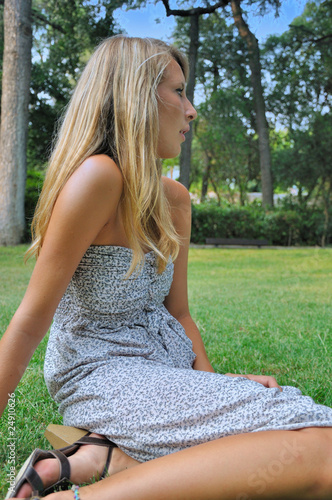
[114, 110]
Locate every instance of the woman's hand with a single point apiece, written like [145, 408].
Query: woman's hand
[265, 380]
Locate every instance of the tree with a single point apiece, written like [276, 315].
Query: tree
[193, 14]
[185, 157]
[299, 92]
[254, 62]
[300, 64]
[14, 118]
[261, 122]
[65, 34]
[1, 45]
[225, 146]
[303, 158]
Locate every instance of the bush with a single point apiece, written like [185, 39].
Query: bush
[287, 225]
[33, 187]
[280, 226]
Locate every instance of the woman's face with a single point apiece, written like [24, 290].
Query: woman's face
[175, 112]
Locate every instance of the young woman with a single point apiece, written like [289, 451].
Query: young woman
[125, 359]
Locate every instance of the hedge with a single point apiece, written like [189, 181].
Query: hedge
[289, 224]
[33, 188]
[282, 226]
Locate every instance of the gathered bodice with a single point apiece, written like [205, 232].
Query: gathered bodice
[100, 286]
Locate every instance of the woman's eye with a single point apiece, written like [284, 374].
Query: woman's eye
[180, 91]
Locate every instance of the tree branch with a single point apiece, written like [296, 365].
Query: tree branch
[195, 10]
[305, 31]
[42, 18]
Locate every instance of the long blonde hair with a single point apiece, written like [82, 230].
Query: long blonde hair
[114, 110]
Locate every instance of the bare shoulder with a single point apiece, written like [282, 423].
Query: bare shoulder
[97, 179]
[99, 170]
[180, 206]
[177, 195]
[90, 197]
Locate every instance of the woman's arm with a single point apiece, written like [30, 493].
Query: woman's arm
[87, 202]
[177, 300]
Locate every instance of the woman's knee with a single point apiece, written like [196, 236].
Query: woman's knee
[316, 445]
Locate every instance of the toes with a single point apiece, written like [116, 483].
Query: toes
[48, 470]
[25, 491]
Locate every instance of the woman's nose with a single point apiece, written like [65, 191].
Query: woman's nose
[191, 112]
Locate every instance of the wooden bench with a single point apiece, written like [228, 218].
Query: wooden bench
[236, 242]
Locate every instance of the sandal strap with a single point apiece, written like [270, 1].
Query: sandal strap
[96, 441]
[64, 476]
[34, 479]
[108, 461]
[64, 464]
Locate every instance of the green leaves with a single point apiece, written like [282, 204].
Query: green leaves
[300, 65]
[65, 34]
[290, 224]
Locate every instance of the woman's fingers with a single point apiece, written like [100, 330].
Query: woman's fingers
[265, 380]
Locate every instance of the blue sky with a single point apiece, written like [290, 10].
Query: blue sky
[143, 22]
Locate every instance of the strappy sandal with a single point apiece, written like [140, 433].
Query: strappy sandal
[29, 475]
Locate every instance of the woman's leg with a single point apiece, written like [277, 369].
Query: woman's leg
[263, 465]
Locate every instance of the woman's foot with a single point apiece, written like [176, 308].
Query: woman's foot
[87, 463]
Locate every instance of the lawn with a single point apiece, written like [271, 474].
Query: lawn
[260, 311]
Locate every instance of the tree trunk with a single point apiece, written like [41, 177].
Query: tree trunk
[193, 13]
[326, 195]
[215, 188]
[185, 158]
[261, 123]
[243, 191]
[14, 118]
[206, 177]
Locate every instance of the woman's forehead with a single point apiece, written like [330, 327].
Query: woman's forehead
[174, 73]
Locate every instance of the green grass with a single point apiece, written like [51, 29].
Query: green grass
[259, 311]
[34, 408]
[267, 311]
